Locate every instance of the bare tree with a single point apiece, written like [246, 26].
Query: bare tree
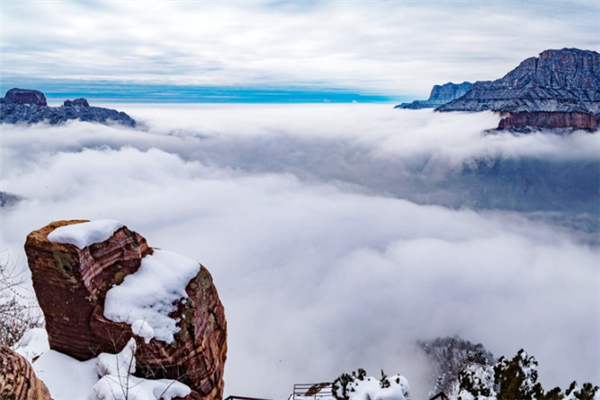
[17, 312]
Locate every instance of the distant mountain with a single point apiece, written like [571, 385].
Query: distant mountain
[30, 106]
[440, 95]
[558, 89]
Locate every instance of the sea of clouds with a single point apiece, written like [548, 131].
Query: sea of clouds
[338, 235]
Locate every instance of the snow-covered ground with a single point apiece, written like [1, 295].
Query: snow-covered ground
[106, 377]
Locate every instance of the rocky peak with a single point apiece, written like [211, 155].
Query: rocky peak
[557, 89]
[26, 96]
[449, 91]
[566, 80]
[557, 69]
[440, 94]
[81, 102]
[29, 106]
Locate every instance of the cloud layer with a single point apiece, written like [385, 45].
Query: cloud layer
[387, 47]
[319, 272]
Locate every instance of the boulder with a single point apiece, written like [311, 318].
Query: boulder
[17, 378]
[26, 96]
[71, 282]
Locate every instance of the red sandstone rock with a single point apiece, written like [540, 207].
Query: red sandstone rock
[17, 378]
[71, 285]
[549, 120]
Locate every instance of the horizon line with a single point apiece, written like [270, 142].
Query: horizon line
[164, 93]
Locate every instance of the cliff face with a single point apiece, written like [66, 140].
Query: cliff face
[29, 106]
[558, 120]
[553, 90]
[440, 94]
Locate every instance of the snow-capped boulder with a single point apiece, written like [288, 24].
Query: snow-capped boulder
[17, 378]
[100, 284]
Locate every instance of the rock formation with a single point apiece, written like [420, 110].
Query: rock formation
[71, 286]
[440, 95]
[542, 119]
[558, 89]
[26, 96]
[80, 102]
[29, 106]
[17, 378]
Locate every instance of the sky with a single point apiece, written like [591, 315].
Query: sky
[277, 51]
[338, 235]
[320, 270]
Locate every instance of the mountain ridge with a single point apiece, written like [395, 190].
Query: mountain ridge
[557, 89]
[30, 106]
[440, 95]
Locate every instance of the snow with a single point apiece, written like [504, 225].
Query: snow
[145, 298]
[66, 377]
[85, 234]
[120, 365]
[142, 329]
[480, 378]
[107, 377]
[118, 383]
[370, 389]
[33, 344]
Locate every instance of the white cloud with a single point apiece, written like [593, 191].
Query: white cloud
[319, 278]
[394, 48]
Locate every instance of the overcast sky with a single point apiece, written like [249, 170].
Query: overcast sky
[388, 48]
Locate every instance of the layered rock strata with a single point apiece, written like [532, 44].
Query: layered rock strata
[558, 89]
[440, 95]
[29, 106]
[71, 285]
[17, 378]
[555, 120]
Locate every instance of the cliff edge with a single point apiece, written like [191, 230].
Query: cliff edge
[558, 89]
[440, 95]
